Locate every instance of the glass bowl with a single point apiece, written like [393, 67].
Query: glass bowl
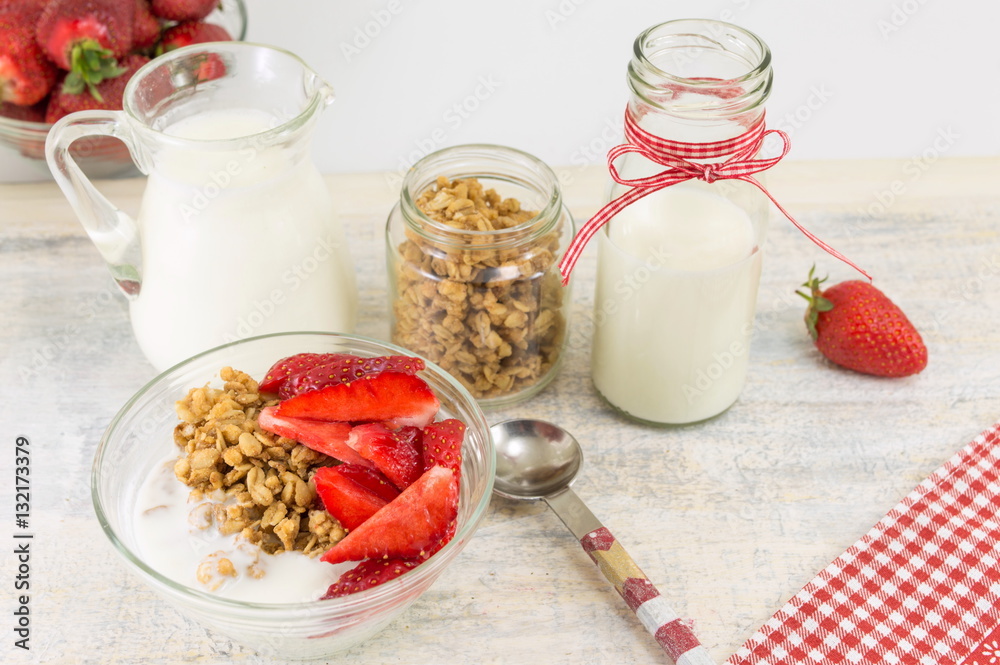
[140, 437]
[104, 157]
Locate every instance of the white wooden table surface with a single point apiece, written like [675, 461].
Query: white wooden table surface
[729, 518]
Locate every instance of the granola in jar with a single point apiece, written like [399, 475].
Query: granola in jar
[474, 281]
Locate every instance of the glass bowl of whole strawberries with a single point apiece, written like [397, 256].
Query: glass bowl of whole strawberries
[61, 56]
[295, 492]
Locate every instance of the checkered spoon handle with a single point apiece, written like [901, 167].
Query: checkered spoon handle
[677, 640]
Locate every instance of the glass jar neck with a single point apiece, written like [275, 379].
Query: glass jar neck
[532, 182]
[698, 80]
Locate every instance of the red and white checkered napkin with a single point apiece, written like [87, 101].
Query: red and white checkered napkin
[921, 588]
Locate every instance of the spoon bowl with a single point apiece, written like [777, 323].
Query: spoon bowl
[534, 458]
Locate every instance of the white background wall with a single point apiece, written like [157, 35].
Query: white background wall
[853, 78]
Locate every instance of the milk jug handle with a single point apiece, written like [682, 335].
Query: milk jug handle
[115, 234]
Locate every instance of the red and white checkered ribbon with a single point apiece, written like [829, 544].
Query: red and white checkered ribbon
[681, 162]
[921, 588]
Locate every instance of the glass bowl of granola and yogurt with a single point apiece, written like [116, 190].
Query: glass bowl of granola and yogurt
[222, 518]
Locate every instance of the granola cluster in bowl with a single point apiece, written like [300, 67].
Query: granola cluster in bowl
[267, 496]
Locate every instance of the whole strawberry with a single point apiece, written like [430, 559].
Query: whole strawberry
[856, 326]
[192, 32]
[86, 37]
[26, 74]
[66, 99]
[183, 10]
[145, 28]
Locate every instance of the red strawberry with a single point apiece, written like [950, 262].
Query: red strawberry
[407, 527]
[184, 10]
[286, 368]
[26, 74]
[346, 368]
[442, 444]
[345, 499]
[390, 397]
[329, 438]
[145, 27]
[395, 456]
[33, 113]
[856, 325]
[106, 95]
[369, 573]
[369, 478]
[86, 38]
[192, 32]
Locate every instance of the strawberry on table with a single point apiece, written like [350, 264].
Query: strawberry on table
[394, 398]
[329, 438]
[68, 98]
[367, 574]
[86, 38]
[26, 73]
[442, 444]
[395, 455]
[410, 526]
[856, 326]
[192, 32]
[350, 502]
[183, 10]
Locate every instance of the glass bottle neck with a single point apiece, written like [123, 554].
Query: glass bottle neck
[698, 81]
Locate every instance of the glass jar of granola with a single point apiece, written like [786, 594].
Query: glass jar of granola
[473, 247]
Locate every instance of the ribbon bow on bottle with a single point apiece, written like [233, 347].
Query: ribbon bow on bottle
[740, 163]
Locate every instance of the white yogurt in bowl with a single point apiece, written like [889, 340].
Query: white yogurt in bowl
[174, 538]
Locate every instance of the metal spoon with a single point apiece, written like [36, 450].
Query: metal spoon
[539, 460]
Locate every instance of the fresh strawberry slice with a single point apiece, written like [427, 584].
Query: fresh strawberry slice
[395, 456]
[406, 527]
[347, 368]
[286, 368]
[369, 478]
[329, 438]
[345, 499]
[442, 444]
[414, 436]
[369, 573]
[394, 398]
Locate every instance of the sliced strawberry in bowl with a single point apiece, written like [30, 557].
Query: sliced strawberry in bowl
[370, 478]
[329, 438]
[367, 574]
[395, 455]
[346, 368]
[286, 368]
[442, 444]
[350, 502]
[394, 398]
[408, 527]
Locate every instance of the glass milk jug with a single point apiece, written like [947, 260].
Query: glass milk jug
[678, 269]
[236, 235]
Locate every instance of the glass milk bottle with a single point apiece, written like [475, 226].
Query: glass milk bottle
[678, 269]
